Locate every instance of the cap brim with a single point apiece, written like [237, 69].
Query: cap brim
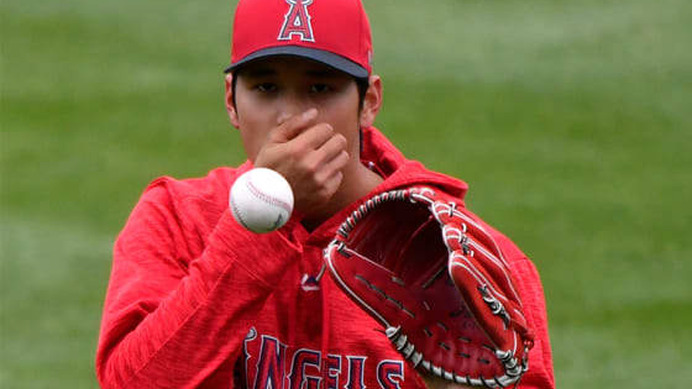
[330, 59]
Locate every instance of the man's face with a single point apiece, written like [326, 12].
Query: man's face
[270, 91]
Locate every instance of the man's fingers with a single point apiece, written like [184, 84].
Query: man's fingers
[333, 146]
[310, 154]
[332, 184]
[293, 126]
[330, 156]
[328, 170]
[314, 137]
[337, 164]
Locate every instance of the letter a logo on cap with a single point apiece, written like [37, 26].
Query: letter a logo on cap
[297, 21]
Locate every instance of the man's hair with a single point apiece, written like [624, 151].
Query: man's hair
[361, 83]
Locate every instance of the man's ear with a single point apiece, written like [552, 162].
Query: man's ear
[230, 105]
[372, 102]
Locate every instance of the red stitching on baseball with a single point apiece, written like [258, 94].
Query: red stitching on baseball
[267, 198]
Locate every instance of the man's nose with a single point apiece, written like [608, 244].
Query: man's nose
[290, 106]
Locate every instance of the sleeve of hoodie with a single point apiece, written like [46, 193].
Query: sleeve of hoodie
[540, 374]
[170, 320]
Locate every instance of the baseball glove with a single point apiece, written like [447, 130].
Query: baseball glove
[422, 266]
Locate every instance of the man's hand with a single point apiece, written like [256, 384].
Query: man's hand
[310, 155]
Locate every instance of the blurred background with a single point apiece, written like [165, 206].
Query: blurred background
[571, 122]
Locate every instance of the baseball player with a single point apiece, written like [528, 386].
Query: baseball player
[195, 300]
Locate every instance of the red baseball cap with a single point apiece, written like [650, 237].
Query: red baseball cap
[333, 32]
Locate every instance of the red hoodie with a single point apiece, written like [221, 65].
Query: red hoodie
[194, 300]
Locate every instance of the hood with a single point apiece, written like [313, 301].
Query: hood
[380, 155]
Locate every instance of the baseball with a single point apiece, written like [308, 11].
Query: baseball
[261, 200]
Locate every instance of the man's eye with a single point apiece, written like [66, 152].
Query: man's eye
[266, 87]
[319, 88]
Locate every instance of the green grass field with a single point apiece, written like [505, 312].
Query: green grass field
[571, 121]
